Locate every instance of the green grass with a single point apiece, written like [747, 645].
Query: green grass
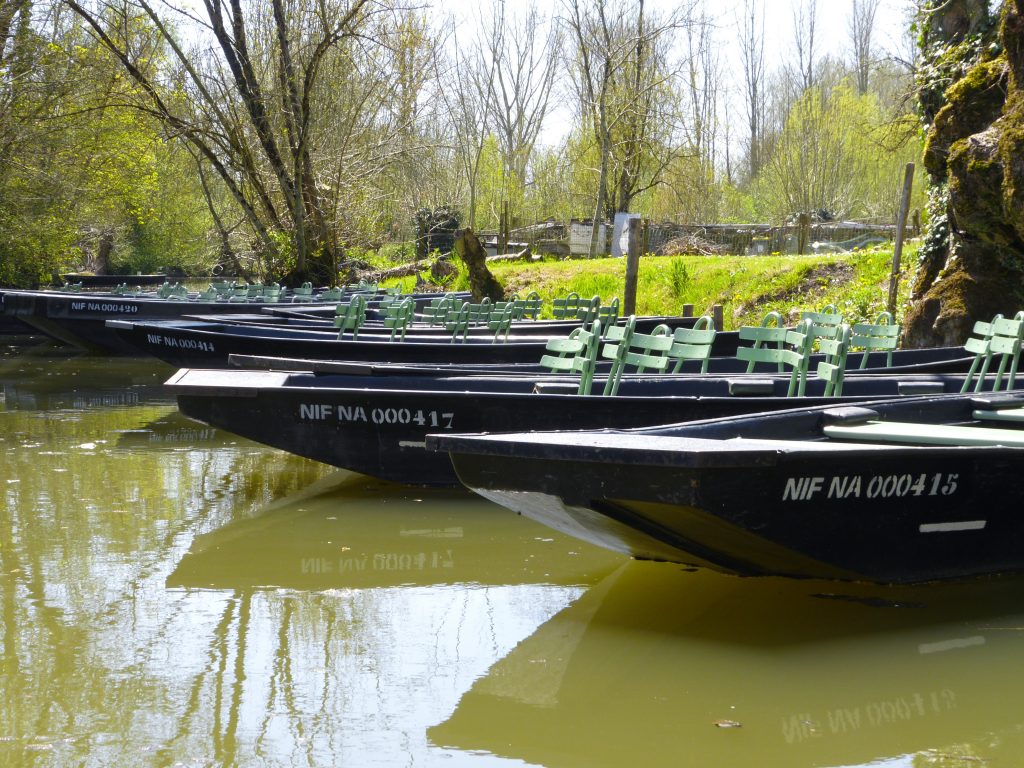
[747, 287]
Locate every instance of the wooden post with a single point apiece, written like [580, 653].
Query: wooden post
[687, 310]
[897, 251]
[632, 267]
[717, 317]
[503, 228]
[803, 235]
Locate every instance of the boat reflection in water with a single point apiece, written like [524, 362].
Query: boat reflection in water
[660, 666]
[350, 531]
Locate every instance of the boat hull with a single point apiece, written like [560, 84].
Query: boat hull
[757, 506]
[79, 319]
[379, 425]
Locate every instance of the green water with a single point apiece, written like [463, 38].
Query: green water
[173, 595]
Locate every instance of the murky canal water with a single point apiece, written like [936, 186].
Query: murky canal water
[173, 595]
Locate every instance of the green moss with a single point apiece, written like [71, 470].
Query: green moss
[972, 104]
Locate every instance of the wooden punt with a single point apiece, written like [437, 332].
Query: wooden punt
[910, 490]
[378, 425]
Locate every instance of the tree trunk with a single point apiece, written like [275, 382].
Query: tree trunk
[972, 155]
[481, 282]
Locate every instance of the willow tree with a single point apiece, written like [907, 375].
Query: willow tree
[261, 107]
[627, 80]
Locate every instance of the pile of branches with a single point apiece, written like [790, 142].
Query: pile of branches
[690, 245]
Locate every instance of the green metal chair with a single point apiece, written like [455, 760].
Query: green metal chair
[790, 349]
[565, 307]
[575, 354]
[693, 344]
[303, 294]
[833, 369]
[351, 316]
[1000, 338]
[882, 335]
[398, 316]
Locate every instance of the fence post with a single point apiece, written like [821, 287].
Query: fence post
[632, 267]
[717, 317]
[897, 251]
[687, 310]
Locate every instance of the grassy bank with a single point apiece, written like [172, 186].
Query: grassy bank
[747, 287]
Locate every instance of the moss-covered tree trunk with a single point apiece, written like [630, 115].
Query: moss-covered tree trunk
[972, 265]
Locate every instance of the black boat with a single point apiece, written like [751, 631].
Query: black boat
[79, 319]
[908, 490]
[198, 344]
[378, 425]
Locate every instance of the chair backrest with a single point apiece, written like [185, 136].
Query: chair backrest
[826, 323]
[608, 313]
[643, 352]
[788, 348]
[210, 294]
[587, 310]
[303, 294]
[436, 311]
[398, 316]
[460, 319]
[833, 368]
[350, 316]
[882, 335]
[527, 308]
[614, 347]
[172, 291]
[332, 294]
[271, 293]
[575, 354]
[500, 321]
[565, 307]
[693, 344]
[1001, 337]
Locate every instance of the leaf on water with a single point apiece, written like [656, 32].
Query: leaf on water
[727, 724]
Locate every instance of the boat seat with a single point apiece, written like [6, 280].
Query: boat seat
[1015, 415]
[555, 388]
[924, 434]
[751, 387]
[911, 388]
